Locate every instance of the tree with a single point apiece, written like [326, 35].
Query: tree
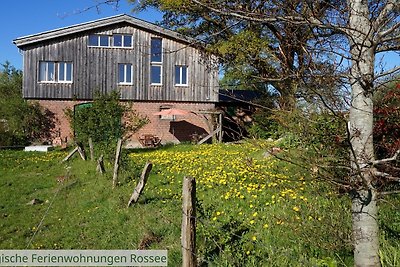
[22, 122]
[307, 34]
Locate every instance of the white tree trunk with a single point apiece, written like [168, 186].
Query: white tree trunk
[364, 201]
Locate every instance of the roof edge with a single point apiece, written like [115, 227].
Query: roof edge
[81, 27]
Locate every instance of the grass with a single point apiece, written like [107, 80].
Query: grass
[252, 211]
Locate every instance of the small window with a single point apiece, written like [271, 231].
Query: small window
[120, 40]
[65, 72]
[47, 71]
[155, 73]
[99, 40]
[156, 50]
[125, 74]
[181, 75]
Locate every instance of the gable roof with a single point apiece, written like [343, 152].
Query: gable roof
[91, 25]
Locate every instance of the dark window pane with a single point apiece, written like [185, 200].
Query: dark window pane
[177, 74]
[127, 41]
[104, 40]
[156, 49]
[128, 73]
[50, 71]
[121, 73]
[184, 75]
[61, 69]
[42, 71]
[156, 74]
[93, 40]
[117, 40]
[69, 72]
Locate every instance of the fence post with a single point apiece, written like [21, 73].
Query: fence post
[141, 184]
[189, 222]
[116, 164]
[91, 149]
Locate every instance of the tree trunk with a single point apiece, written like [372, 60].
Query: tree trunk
[364, 198]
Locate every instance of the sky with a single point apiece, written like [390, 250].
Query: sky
[26, 17]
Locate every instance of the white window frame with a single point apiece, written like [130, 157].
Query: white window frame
[178, 80]
[157, 63]
[46, 72]
[65, 63]
[122, 41]
[98, 40]
[161, 73]
[56, 78]
[125, 74]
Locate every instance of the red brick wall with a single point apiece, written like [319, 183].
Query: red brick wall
[169, 131]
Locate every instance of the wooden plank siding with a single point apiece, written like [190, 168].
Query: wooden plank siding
[96, 68]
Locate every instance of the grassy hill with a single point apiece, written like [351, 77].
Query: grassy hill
[252, 210]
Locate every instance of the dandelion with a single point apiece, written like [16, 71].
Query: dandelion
[295, 208]
[254, 238]
[265, 226]
[255, 214]
[252, 222]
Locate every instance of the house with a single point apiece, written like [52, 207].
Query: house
[156, 68]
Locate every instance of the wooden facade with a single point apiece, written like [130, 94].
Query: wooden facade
[96, 68]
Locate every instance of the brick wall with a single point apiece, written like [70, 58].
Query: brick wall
[176, 131]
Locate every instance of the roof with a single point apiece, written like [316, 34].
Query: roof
[92, 25]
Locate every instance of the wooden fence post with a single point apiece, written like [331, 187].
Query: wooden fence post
[116, 164]
[141, 184]
[81, 151]
[189, 222]
[70, 154]
[100, 165]
[91, 149]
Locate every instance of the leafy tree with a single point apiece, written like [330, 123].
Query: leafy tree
[105, 120]
[21, 122]
[301, 37]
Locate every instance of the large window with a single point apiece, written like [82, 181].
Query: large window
[99, 40]
[125, 74]
[181, 75]
[120, 40]
[51, 71]
[156, 61]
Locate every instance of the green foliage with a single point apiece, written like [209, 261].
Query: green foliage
[105, 120]
[21, 122]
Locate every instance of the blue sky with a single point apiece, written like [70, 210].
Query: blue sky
[27, 17]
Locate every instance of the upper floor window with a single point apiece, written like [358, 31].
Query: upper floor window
[125, 74]
[156, 50]
[51, 71]
[181, 75]
[156, 61]
[99, 40]
[120, 40]
[65, 71]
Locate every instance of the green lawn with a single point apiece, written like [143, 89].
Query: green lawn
[252, 211]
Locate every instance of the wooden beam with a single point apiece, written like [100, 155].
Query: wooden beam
[141, 184]
[70, 154]
[189, 222]
[116, 163]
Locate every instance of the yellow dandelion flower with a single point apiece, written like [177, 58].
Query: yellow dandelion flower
[254, 238]
[252, 222]
[295, 208]
[265, 225]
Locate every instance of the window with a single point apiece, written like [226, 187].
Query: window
[47, 71]
[65, 72]
[156, 61]
[125, 74]
[120, 40]
[50, 71]
[155, 73]
[156, 50]
[181, 75]
[99, 40]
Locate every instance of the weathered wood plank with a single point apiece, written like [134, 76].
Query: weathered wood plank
[141, 184]
[116, 164]
[189, 222]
